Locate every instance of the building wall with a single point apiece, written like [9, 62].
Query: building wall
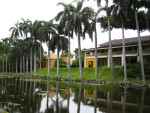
[52, 63]
[90, 62]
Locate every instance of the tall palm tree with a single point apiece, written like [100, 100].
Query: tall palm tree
[135, 4]
[108, 12]
[64, 17]
[121, 9]
[80, 20]
[46, 30]
[2, 53]
[92, 28]
[16, 33]
[33, 28]
[24, 28]
[6, 48]
[60, 42]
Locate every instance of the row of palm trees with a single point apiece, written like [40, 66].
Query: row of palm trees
[79, 20]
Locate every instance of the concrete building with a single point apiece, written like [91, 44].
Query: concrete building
[132, 52]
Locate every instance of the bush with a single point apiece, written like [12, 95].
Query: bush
[62, 65]
[147, 70]
[134, 70]
[75, 63]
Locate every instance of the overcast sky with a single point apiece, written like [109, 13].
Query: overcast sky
[13, 10]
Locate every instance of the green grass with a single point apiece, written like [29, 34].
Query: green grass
[104, 74]
[88, 73]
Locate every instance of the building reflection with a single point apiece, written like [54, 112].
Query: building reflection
[113, 102]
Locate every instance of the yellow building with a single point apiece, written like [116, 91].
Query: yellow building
[53, 58]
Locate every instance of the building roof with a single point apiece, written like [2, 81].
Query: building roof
[128, 41]
[52, 56]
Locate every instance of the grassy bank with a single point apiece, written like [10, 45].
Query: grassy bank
[104, 74]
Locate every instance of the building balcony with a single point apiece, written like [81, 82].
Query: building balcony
[131, 52]
[118, 53]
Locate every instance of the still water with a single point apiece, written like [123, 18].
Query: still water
[18, 96]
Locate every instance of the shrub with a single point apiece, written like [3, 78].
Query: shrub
[134, 70]
[147, 70]
[62, 65]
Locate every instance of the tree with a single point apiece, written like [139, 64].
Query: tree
[121, 9]
[6, 48]
[64, 17]
[58, 42]
[135, 4]
[92, 29]
[108, 13]
[2, 53]
[80, 20]
[45, 32]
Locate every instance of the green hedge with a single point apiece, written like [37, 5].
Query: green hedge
[134, 70]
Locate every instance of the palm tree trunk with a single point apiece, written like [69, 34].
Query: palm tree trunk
[80, 91]
[23, 64]
[124, 99]
[96, 60]
[110, 49]
[48, 59]
[9, 68]
[57, 62]
[95, 103]
[20, 64]
[16, 65]
[79, 51]
[3, 64]
[35, 60]
[68, 97]
[40, 59]
[140, 46]
[6, 63]
[31, 61]
[124, 54]
[27, 65]
[69, 56]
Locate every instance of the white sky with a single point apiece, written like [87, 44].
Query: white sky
[13, 10]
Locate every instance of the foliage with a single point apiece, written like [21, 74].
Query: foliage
[75, 63]
[147, 70]
[129, 23]
[62, 63]
[133, 70]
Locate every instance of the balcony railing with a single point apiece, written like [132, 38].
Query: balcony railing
[131, 52]
[146, 51]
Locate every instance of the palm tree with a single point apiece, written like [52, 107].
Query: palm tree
[108, 11]
[45, 32]
[16, 33]
[60, 42]
[121, 9]
[80, 18]
[92, 28]
[64, 18]
[24, 28]
[135, 4]
[32, 29]
[2, 53]
[6, 48]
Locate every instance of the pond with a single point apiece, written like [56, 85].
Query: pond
[19, 96]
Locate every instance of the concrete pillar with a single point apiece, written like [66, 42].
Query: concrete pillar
[85, 60]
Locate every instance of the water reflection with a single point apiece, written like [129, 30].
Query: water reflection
[65, 97]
